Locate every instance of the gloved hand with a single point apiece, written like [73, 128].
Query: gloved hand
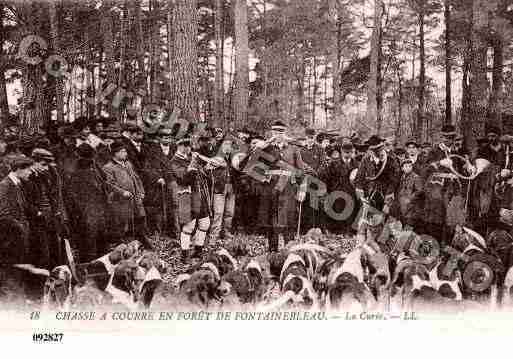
[446, 162]
[505, 173]
[360, 194]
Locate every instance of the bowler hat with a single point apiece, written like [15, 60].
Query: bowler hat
[375, 142]
[493, 129]
[117, 146]
[411, 142]
[86, 151]
[448, 131]
[279, 126]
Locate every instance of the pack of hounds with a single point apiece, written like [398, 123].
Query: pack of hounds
[305, 275]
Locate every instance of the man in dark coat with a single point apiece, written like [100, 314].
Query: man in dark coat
[409, 201]
[157, 175]
[443, 189]
[336, 175]
[278, 204]
[14, 214]
[314, 156]
[378, 176]
[49, 217]
[13, 203]
[128, 218]
[248, 188]
[494, 151]
[88, 193]
[13, 244]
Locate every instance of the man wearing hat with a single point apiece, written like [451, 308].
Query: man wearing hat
[314, 156]
[336, 174]
[13, 202]
[278, 205]
[49, 217]
[132, 137]
[191, 199]
[441, 187]
[490, 192]
[157, 175]
[126, 196]
[84, 128]
[88, 203]
[102, 144]
[248, 188]
[410, 196]
[14, 206]
[414, 155]
[378, 175]
[494, 151]
[65, 152]
[426, 149]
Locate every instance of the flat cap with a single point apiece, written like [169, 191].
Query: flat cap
[20, 162]
[39, 154]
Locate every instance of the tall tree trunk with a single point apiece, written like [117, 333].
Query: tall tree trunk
[314, 89]
[59, 91]
[494, 107]
[34, 106]
[184, 74]
[108, 51]
[219, 76]
[241, 62]
[422, 78]
[139, 42]
[479, 86]
[373, 91]
[335, 58]
[400, 101]
[156, 52]
[122, 76]
[300, 93]
[448, 68]
[4, 104]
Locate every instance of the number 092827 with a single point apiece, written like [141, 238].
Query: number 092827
[47, 337]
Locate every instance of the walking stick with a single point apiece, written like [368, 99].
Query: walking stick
[164, 208]
[299, 220]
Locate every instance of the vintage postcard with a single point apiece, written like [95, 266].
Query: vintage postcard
[336, 170]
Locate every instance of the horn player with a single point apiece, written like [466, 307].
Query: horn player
[441, 185]
[378, 175]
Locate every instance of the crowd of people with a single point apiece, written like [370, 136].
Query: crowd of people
[99, 184]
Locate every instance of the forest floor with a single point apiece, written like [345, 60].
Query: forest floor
[255, 246]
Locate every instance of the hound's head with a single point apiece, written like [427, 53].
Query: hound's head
[201, 288]
[126, 282]
[57, 288]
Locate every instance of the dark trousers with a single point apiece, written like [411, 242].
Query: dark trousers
[273, 237]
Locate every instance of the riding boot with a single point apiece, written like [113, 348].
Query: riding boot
[198, 252]
[185, 256]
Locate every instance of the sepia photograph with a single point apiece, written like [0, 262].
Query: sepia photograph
[202, 168]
